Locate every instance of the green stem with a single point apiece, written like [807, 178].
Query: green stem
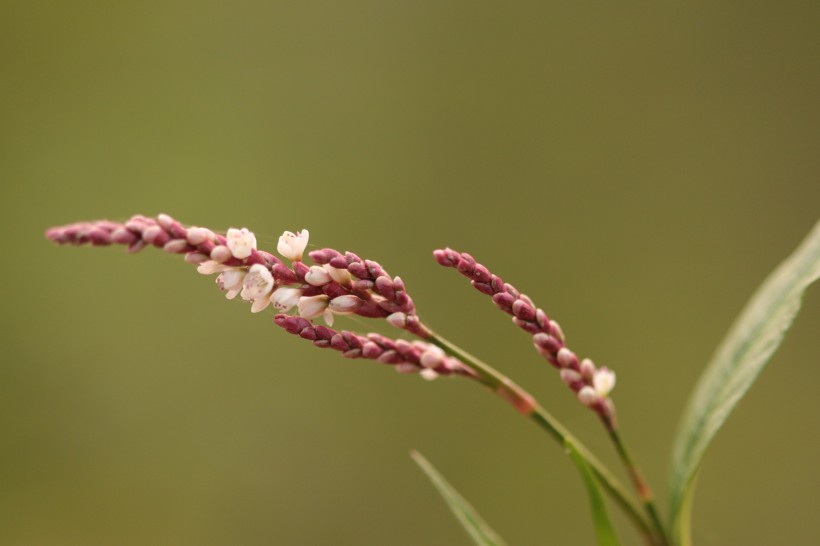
[528, 406]
[642, 487]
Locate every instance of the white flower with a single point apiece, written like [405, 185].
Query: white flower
[284, 298]
[317, 276]
[241, 242]
[209, 267]
[603, 381]
[311, 307]
[291, 245]
[344, 305]
[231, 281]
[258, 283]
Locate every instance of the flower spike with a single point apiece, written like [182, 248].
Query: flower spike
[591, 386]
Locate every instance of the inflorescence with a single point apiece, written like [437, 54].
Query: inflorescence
[591, 385]
[343, 284]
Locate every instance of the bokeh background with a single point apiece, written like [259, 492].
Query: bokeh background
[637, 168]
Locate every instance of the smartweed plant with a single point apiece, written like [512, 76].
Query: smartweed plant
[342, 283]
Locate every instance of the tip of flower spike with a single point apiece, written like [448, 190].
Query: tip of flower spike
[55, 235]
[291, 324]
[446, 257]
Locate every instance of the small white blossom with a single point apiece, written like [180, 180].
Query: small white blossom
[428, 374]
[311, 307]
[242, 242]
[317, 276]
[209, 267]
[258, 283]
[284, 298]
[231, 281]
[292, 246]
[603, 381]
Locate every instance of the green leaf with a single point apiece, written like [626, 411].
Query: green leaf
[751, 341]
[476, 527]
[603, 526]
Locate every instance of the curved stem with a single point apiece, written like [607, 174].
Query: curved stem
[529, 407]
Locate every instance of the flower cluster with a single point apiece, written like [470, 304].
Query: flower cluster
[407, 356]
[336, 283]
[591, 385]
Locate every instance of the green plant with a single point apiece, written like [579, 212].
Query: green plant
[342, 283]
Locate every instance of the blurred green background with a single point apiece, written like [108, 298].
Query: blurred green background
[637, 168]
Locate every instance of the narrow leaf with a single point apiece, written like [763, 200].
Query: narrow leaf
[603, 526]
[751, 341]
[476, 527]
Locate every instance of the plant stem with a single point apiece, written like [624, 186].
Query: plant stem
[641, 486]
[528, 406]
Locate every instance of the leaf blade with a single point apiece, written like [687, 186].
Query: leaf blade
[739, 359]
[473, 523]
[603, 526]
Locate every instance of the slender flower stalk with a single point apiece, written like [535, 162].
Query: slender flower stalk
[343, 283]
[591, 385]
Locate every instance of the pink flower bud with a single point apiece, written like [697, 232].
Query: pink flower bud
[587, 396]
[567, 358]
[587, 370]
[432, 357]
[196, 258]
[177, 246]
[399, 320]
[198, 235]
[345, 304]
[221, 253]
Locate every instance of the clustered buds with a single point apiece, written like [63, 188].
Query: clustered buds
[337, 284]
[343, 284]
[590, 384]
[407, 356]
[368, 276]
